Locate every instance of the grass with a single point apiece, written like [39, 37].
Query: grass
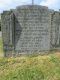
[30, 68]
[1, 47]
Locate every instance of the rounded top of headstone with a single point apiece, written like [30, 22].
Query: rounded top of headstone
[31, 6]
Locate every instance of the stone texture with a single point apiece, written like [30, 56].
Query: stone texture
[30, 29]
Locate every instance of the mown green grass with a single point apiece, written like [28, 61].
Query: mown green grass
[30, 68]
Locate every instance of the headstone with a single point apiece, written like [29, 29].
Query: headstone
[30, 29]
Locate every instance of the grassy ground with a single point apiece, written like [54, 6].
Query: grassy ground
[31, 68]
[1, 47]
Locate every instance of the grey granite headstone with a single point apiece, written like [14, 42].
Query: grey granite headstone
[30, 29]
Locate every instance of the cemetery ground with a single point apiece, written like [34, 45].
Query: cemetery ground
[34, 67]
[1, 47]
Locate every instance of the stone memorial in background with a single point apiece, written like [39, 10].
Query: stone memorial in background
[30, 29]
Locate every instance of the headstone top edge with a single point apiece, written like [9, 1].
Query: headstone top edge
[31, 6]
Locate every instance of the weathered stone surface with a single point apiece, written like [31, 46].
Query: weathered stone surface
[55, 30]
[30, 29]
